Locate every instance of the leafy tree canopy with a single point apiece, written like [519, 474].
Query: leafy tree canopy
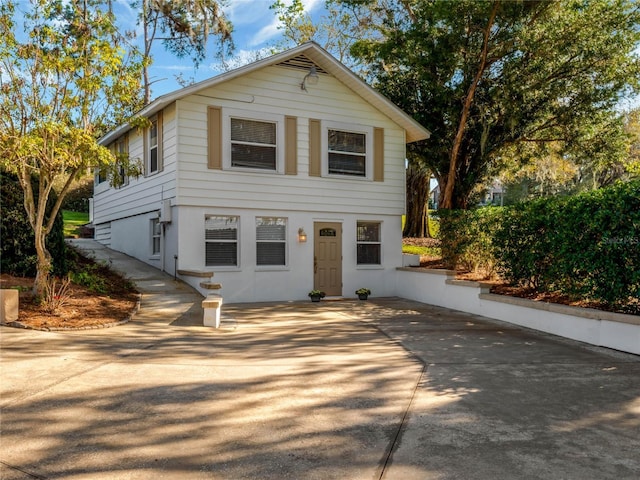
[183, 27]
[63, 82]
[489, 78]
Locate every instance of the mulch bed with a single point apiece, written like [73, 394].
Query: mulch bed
[83, 308]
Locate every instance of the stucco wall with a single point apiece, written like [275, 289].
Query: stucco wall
[438, 287]
[251, 283]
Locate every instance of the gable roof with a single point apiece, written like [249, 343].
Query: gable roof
[303, 57]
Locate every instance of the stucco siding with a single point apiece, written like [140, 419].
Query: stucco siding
[250, 283]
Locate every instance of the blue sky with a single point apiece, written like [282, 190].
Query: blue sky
[255, 28]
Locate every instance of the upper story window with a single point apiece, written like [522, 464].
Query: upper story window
[122, 151]
[252, 141]
[221, 241]
[153, 145]
[101, 176]
[253, 144]
[347, 153]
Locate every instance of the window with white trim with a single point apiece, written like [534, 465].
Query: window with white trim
[368, 243]
[253, 144]
[122, 151]
[101, 176]
[153, 153]
[156, 230]
[271, 241]
[221, 241]
[253, 141]
[347, 153]
[346, 150]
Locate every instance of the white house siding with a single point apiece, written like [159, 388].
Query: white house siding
[277, 90]
[301, 198]
[251, 283]
[122, 217]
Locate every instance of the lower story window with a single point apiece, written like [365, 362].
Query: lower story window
[221, 241]
[368, 243]
[155, 236]
[271, 241]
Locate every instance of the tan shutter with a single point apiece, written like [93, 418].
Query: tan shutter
[290, 145]
[215, 138]
[378, 154]
[160, 142]
[314, 148]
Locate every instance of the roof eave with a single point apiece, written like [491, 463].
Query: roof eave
[414, 131]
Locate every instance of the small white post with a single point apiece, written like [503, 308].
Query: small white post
[211, 306]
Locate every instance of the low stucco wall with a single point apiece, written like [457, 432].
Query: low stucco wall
[596, 327]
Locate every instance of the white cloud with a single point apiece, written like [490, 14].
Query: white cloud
[240, 58]
[251, 16]
[181, 68]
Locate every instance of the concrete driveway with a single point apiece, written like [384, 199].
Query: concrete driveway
[387, 388]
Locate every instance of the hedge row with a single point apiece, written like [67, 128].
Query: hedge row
[586, 246]
[466, 238]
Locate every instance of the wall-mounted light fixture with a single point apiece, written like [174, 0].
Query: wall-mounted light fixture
[302, 237]
[310, 78]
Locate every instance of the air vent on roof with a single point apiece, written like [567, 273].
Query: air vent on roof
[301, 63]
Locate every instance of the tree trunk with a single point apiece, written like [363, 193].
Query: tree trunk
[447, 191]
[417, 217]
[147, 52]
[43, 265]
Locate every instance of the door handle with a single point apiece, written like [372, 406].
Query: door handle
[315, 264]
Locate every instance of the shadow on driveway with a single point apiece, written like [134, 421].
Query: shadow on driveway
[337, 390]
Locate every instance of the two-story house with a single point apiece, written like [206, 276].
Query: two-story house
[280, 176]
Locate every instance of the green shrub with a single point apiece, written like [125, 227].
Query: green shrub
[586, 246]
[90, 278]
[77, 199]
[522, 244]
[17, 249]
[466, 238]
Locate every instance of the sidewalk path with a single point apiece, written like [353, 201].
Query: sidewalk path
[387, 388]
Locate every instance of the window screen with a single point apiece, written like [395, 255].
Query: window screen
[271, 243]
[221, 241]
[153, 146]
[253, 144]
[122, 151]
[155, 236]
[368, 243]
[347, 153]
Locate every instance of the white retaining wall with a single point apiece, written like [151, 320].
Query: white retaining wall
[596, 327]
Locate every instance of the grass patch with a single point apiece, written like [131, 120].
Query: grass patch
[417, 250]
[73, 220]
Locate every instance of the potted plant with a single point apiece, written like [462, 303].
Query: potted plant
[363, 293]
[316, 295]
